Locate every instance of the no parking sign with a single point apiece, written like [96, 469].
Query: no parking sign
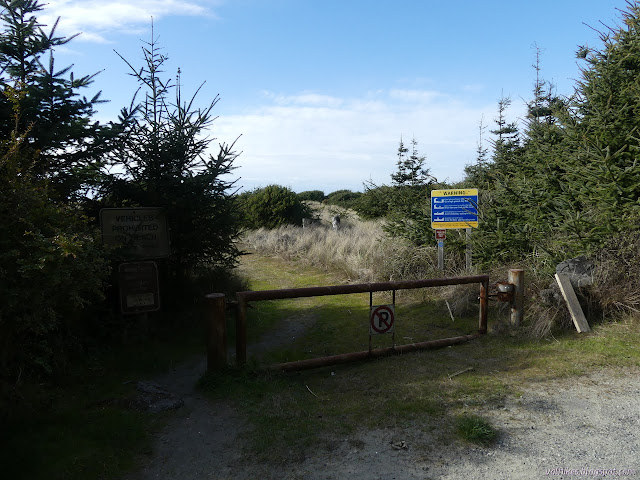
[381, 319]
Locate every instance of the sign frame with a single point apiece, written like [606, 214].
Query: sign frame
[137, 284]
[376, 312]
[454, 208]
[141, 232]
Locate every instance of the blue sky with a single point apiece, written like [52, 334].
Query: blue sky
[322, 91]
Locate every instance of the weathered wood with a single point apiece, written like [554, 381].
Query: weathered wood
[484, 306]
[516, 278]
[248, 296]
[577, 315]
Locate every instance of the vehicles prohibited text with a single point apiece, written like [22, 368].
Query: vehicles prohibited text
[382, 319]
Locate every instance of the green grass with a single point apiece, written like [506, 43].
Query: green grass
[296, 413]
[475, 429]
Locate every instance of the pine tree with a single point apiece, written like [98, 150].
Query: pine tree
[507, 142]
[602, 123]
[167, 163]
[408, 204]
[477, 175]
[58, 120]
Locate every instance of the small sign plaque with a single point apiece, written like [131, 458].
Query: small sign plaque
[382, 319]
[139, 287]
[141, 232]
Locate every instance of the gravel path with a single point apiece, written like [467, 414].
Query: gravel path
[587, 427]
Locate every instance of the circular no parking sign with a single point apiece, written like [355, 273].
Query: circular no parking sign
[381, 319]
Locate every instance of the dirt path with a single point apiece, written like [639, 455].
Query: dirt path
[576, 428]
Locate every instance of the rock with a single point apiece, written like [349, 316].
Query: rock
[153, 398]
[551, 295]
[579, 269]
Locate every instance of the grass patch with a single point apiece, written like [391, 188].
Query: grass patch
[475, 429]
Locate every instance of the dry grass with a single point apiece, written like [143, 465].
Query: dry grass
[359, 250]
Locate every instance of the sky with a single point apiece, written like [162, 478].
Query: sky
[319, 94]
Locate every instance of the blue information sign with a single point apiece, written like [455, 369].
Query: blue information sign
[454, 208]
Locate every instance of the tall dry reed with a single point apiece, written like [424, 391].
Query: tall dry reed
[360, 250]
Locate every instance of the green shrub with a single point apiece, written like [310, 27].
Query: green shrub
[271, 207]
[374, 202]
[52, 270]
[343, 198]
[312, 195]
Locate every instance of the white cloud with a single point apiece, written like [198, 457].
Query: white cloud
[314, 141]
[308, 98]
[415, 95]
[97, 18]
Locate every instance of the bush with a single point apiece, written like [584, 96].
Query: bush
[343, 198]
[52, 270]
[271, 207]
[311, 195]
[374, 202]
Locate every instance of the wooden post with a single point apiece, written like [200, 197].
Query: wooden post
[241, 332]
[516, 278]
[484, 302]
[216, 332]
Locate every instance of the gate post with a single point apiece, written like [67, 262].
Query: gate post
[516, 277]
[216, 332]
[484, 302]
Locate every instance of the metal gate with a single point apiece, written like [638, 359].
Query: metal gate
[217, 326]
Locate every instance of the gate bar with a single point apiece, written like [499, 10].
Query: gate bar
[357, 288]
[380, 352]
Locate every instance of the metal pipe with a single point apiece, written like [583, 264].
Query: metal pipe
[357, 288]
[364, 355]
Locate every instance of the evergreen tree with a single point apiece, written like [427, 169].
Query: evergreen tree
[56, 118]
[166, 160]
[52, 267]
[477, 175]
[602, 125]
[506, 145]
[408, 205]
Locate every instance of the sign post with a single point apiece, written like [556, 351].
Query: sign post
[455, 208]
[441, 236]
